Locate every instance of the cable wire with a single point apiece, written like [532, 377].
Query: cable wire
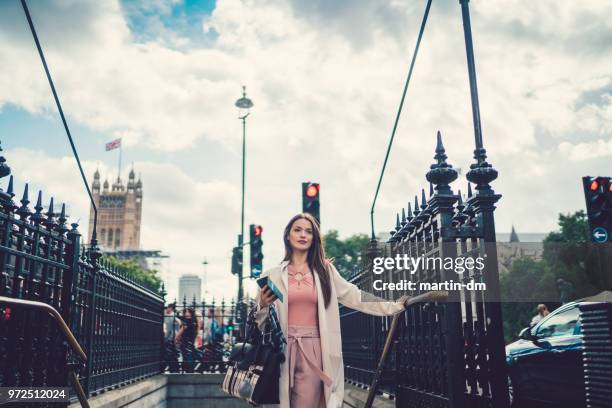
[399, 111]
[61, 112]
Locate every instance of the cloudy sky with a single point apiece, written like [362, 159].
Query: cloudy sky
[326, 79]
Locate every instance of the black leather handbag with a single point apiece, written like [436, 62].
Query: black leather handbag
[253, 371]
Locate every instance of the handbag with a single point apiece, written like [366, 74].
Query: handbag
[253, 371]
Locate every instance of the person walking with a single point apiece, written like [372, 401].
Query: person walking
[171, 329]
[312, 375]
[185, 339]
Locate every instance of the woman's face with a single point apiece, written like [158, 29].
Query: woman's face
[188, 314]
[300, 235]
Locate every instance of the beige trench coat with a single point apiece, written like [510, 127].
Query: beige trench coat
[329, 328]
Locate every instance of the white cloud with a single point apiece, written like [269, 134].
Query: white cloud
[326, 90]
[181, 216]
[585, 151]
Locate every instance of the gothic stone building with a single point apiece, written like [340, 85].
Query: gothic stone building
[119, 213]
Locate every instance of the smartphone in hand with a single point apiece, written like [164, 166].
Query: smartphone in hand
[265, 281]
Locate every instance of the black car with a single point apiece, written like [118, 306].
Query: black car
[545, 365]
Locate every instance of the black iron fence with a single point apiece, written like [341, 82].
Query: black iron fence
[117, 320]
[596, 321]
[198, 336]
[449, 354]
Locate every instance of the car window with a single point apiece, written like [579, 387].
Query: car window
[561, 324]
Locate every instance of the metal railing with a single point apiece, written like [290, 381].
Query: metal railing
[72, 341]
[449, 354]
[116, 318]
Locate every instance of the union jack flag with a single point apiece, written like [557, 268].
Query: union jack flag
[113, 145]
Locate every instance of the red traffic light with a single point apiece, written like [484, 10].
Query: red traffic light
[594, 185]
[312, 190]
[258, 230]
[7, 314]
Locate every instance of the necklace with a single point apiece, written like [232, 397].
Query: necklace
[299, 275]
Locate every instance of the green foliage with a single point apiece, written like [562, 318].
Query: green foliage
[530, 281]
[565, 256]
[345, 253]
[145, 277]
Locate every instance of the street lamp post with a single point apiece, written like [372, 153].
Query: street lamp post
[205, 264]
[244, 105]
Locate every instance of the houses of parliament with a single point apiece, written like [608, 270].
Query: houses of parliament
[119, 213]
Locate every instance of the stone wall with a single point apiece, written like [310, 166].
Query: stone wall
[197, 390]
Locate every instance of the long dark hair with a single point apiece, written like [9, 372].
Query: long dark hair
[193, 321]
[316, 259]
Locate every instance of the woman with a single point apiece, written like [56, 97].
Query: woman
[185, 339]
[312, 375]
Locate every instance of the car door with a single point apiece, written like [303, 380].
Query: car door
[556, 369]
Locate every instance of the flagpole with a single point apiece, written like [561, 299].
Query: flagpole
[120, 151]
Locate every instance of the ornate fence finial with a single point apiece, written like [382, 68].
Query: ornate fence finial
[418, 218]
[9, 190]
[394, 231]
[482, 174]
[24, 211]
[6, 199]
[37, 217]
[49, 221]
[425, 210]
[411, 221]
[403, 232]
[441, 173]
[423, 200]
[61, 221]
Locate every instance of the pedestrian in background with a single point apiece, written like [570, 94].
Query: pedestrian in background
[542, 312]
[185, 339]
[212, 331]
[171, 329]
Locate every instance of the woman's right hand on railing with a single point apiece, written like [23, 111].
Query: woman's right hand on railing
[266, 297]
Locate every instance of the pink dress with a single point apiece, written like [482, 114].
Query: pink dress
[306, 374]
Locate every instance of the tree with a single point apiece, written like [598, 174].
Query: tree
[145, 277]
[528, 281]
[346, 254]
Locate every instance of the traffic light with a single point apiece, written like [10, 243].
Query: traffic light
[310, 199]
[598, 195]
[256, 243]
[236, 260]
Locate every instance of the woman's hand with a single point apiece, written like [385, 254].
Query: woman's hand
[432, 296]
[404, 300]
[267, 296]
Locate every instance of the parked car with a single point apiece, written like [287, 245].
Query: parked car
[545, 364]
